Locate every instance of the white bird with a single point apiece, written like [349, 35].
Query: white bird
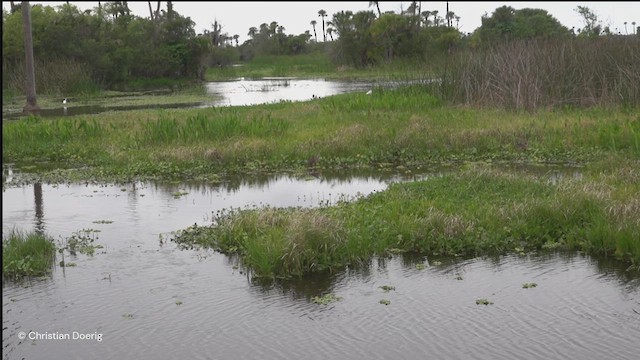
[64, 101]
[369, 92]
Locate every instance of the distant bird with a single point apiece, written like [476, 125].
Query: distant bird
[369, 92]
[64, 101]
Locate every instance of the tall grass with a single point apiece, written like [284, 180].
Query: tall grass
[53, 76]
[548, 73]
[25, 254]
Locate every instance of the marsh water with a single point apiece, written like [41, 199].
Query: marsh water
[239, 92]
[148, 299]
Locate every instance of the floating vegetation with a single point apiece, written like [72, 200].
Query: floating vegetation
[127, 316]
[67, 264]
[459, 277]
[420, 266]
[325, 299]
[529, 285]
[436, 263]
[178, 302]
[483, 302]
[179, 194]
[81, 241]
[385, 302]
[387, 288]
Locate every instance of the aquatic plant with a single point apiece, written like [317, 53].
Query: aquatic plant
[529, 285]
[27, 254]
[325, 299]
[387, 288]
[483, 302]
[385, 302]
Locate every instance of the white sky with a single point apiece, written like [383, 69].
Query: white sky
[237, 17]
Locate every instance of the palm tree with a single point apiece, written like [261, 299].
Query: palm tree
[236, 37]
[313, 23]
[377, 6]
[322, 14]
[450, 15]
[330, 31]
[625, 28]
[31, 105]
[427, 15]
[253, 31]
[435, 17]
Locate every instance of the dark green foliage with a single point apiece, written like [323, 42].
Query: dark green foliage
[113, 46]
[507, 24]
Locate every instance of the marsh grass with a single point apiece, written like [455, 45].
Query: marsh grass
[547, 73]
[476, 211]
[405, 126]
[26, 254]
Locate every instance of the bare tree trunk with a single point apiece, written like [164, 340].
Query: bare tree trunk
[150, 11]
[30, 76]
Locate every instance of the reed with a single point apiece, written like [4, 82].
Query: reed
[547, 73]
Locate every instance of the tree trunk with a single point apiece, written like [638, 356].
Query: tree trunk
[150, 11]
[30, 76]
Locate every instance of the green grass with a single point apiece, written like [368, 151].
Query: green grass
[29, 254]
[404, 127]
[476, 211]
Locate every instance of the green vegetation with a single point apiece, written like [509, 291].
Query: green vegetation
[325, 299]
[29, 254]
[476, 211]
[404, 127]
[387, 288]
[385, 302]
[529, 285]
[483, 302]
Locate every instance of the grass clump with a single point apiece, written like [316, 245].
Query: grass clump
[476, 211]
[27, 254]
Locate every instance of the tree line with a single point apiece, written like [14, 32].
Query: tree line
[109, 45]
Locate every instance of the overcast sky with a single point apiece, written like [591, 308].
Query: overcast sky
[237, 17]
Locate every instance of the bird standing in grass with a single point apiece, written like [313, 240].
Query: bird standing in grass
[369, 92]
[64, 101]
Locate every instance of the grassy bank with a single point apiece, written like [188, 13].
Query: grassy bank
[477, 211]
[390, 128]
[29, 254]
[318, 65]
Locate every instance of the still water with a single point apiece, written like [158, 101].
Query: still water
[147, 299]
[239, 92]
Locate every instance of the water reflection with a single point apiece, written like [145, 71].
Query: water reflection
[271, 90]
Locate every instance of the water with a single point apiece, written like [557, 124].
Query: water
[240, 92]
[149, 300]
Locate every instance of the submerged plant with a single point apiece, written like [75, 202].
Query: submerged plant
[529, 285]
[385, 302]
